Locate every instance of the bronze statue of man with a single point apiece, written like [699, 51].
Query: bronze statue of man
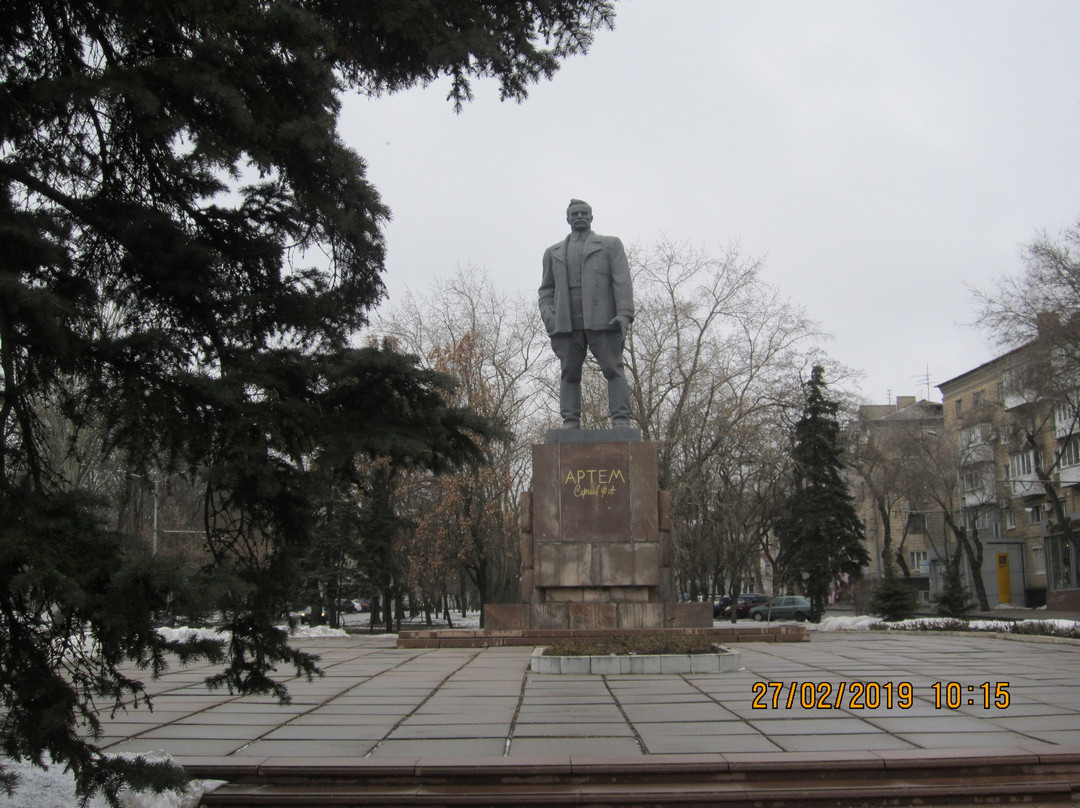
[586, 302]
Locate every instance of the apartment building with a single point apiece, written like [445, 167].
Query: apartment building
[889, 505]
[1018, 450]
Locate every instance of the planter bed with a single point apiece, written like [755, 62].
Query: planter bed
[723, 661]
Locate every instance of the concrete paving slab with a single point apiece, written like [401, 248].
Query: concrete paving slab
[306, 749]
[337, 732]
[582, 730]
[465, 747]
[587, 747]
[459, 730]
[702, 744]
[956, 740]
[835, 743]
[383, 704]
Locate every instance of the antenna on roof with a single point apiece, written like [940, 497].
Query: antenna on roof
[925, 380]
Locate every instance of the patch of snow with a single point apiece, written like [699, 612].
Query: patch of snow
[860, 622]
[309, 632]
[54, 787]
[865, 622]
[1056, 623]
[185, 633]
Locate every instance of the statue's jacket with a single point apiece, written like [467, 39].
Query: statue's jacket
[605, 285]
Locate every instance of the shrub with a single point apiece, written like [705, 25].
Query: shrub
[893, 599]
[953, 600]
[635, 644]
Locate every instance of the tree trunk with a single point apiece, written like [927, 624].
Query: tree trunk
[886, 537]
[374, 618]
[446, 610]
[973, 550]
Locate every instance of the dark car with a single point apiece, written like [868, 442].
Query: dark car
[788, 607]
[719, 605]
[747, 601]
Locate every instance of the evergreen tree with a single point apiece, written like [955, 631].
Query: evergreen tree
[188, 250]
[821, 537]
[893, 598]
[953, 600]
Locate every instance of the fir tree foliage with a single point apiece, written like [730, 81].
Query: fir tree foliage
[953, 599]
[893, 598]
[821, 537]
[189, 249]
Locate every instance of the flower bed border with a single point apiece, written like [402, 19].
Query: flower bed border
[724, 661]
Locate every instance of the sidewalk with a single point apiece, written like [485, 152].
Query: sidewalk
[380, 703]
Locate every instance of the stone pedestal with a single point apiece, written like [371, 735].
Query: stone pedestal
[594, 539]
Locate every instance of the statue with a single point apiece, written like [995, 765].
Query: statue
[586, 302]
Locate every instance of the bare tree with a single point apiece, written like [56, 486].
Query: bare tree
[715, 360]
[932, 474]
[492, 345]
[1034, 313]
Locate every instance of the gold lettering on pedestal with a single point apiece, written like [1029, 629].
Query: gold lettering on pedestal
[594, 482]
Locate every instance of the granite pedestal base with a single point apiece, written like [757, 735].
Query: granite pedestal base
[594, 540]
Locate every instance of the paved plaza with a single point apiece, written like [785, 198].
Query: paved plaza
[854, 693]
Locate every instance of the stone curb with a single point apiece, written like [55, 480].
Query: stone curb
[620, 664]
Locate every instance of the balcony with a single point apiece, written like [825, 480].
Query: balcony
[1065, 423]
[979, 453]
[1026, 487]
[1069, 475]
[1019, 398]
[977, 497]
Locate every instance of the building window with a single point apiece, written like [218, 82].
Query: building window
[1070, 453]
[916, 522]
[1035, 514]
[959, 407]
[920, 562]
[978, 481]
[1006, 433]
[1061, 568]
[1010, 518]
[978, 399]
[986, 522]
[1038, 560]
[976, 435]
[1065, 420]
[1021, 464]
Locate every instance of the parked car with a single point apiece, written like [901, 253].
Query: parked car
[719, 604]
[746, 602]
[788, 607]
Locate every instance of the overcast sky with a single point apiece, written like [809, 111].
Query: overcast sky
[881, 156]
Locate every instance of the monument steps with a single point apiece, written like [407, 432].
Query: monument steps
[740, 781]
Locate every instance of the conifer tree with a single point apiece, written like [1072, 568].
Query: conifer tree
[821, 537]
[188, 250]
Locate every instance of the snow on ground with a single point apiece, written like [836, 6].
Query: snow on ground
[309, 632]
[860, 622]
[866, 622]
[55, 788]
[185, 633]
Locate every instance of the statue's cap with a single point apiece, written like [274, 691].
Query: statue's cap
[579, 202]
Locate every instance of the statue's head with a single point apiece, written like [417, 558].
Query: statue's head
[579, 215]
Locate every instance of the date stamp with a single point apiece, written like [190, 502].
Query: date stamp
[876, 695]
